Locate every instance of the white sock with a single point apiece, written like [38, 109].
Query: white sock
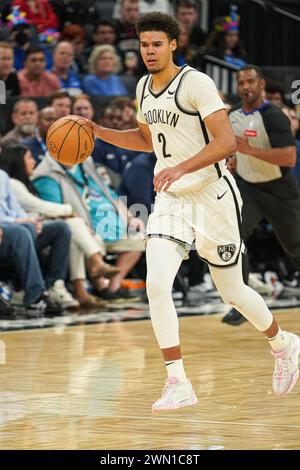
[175, 369]
[279, 342]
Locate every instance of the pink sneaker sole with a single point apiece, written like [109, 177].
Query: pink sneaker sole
[294, 380]
[192, 401]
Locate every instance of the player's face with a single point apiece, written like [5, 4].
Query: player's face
[250, 86]
[156, 50]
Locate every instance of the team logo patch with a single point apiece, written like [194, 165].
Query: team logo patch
[226, 252]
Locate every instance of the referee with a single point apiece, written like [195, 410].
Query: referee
[265, 154]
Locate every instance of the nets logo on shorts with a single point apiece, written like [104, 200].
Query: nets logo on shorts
[226, 252]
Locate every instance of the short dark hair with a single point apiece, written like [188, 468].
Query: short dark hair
[157, 21]
[56, 95]
[186, 4]
[35, 49]
[257, 69]
[275, 86]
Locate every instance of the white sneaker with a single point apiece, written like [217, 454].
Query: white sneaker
[286, 370]
[175, 395]
[61, 296]
[256, 282]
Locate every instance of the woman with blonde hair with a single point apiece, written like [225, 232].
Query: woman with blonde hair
[104, 64]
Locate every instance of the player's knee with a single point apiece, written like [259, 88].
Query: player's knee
[157, 287]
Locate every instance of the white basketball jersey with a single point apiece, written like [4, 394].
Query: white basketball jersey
[175, 117]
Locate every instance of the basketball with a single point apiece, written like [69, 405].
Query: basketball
[70, 140]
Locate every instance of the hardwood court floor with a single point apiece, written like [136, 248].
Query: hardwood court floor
[91, 387]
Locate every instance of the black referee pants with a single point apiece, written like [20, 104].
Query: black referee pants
[279, 202]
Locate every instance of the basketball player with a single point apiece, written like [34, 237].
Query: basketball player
[182, 119]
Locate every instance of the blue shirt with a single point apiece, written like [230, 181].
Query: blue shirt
[111, 86]
[106, 222]
[10, 209]
[73, 82]
[112, 156]
[137, 185]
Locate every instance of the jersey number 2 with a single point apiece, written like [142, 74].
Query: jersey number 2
[162, 139]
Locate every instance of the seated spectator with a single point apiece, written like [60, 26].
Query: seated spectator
[127, 107]
[34, 80]
[61, 102]
[75, 34]
[187, 15]
[99, 206]
[7, 311]
[109, 155]
[17, 248]
[128, 42]
[137, 184]
[292, 115]
[53, 234]
[6, 70]
[104, 64]
[22, 36]
[37, 143]
[185, 52]
[63, 57]
[82, 106]
[17, 161]
[224, 41]
[39, 13]
[275, 92]
[24, 117]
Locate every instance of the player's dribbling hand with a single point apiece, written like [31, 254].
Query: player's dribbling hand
[95, 128]
[164, 178]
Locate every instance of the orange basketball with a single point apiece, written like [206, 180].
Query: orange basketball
[70, 140]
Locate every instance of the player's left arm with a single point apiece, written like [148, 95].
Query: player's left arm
[222, 145]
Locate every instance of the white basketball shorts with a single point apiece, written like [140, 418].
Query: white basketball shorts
[210, 217]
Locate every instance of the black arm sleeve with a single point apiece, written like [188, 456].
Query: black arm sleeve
[278, 127]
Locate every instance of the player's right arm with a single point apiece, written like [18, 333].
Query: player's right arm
[133, 139]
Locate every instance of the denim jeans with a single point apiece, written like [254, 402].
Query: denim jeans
[56, 235]
[18, 247]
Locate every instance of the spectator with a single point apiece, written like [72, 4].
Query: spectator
[137, 185]
[6, 70]
[19, 164]
[54, 234]
[185, 52]
[128, 42]
[292, 115]
[34, 80]
[39, 13]
[37, 143]
[63, 57]
[24, 118]
[89, 196]
[187, 15]
[82, 106]
[75, 34]
[127, 107]
[114, 158]
[61, 102]
[103, 65]
[275, 92]
[105, 32]
[17, 248]
[224, 41]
